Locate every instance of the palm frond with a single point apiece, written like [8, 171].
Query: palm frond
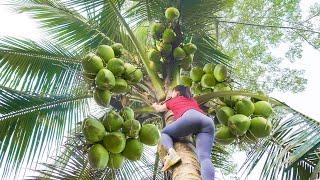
[42, 68]
[32, 127]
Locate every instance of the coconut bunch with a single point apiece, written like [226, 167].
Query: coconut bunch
[109, 73]
[210, 78]
[116, 136]
[166, 43]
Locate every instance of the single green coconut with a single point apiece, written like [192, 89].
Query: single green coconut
[245, 107]
[127, 113]
[232, 100]
[98, 157]
[115, 161]
[156, 66]
[223, 114]
[260, 127]
[157, 30]
[208, 81]
[196, 88]
[116, 66]
[154, 55]
[112, 121]
[222, 87]
[196, 74]
[164, 48]
[220, 72]
[93, 130]
[114, 142]
[206, 90]
[209, 68]
[168, 36]
[117, 49]
[172, 13]
[131, 128]
[186, 81]
[137, 76]
[105, 52]
[102, 97]
[120, 86]
[149, 134]
[262, 108]
[190, 48]
[133, 149]
[239, 124]
[178, 53]
[132, 73]
[224, 136]
[105, 79]
[92, 64]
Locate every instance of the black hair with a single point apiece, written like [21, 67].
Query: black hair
[183, 90]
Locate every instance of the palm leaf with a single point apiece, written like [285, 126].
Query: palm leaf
[42, 68]
[33, 126]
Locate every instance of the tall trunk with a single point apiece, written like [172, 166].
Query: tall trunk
[188, 168]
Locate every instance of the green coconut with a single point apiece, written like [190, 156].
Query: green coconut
[262, 108]
[112, 121]
[239, 124]
[105, 79]
[133, 149]
[260, 127]
[114, 142]
[208, 81]
[223, 114]
[232, 100]
[190, 48]
[164, 48]
[196, 74]
[220, 72]
[93, 130]
[115, 161]
[117, 49]
[120, 86]
[105, 52]
[92, 64]
[137, 76]
[132, 73]
[186, 81]
[206, 90]
[154, 55]
[224, 135]
[172, 13]
[245, 107]
[178, 53]
[222, 87]
[131, 128]
[98, 157]
[156, 66]
[102, 97]
[116, 66]
[209, 68]
[168, 35]
[196, 88]
[157, 30]
[149, 134]
[127, 113]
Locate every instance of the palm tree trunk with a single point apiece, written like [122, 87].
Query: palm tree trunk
[188, 168]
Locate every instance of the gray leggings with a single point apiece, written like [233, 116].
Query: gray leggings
[193, 122]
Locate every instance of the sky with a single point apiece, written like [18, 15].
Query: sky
[307, 102]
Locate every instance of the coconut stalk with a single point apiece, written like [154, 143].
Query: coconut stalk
[189, 167]
[155, 80]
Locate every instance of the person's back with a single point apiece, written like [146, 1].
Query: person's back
[180, 104]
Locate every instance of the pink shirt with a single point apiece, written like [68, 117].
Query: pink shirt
[180, 104]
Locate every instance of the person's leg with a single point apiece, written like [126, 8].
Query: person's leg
[185, 125]
[204, 142]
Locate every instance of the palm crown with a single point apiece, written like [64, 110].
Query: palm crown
[44, 96]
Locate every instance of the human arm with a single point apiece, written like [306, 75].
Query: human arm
[159, 107]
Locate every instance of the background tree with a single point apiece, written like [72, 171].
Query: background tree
[44, 97]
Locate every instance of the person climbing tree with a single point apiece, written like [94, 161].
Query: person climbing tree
[189, 119]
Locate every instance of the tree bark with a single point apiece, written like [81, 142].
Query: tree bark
[188, 168]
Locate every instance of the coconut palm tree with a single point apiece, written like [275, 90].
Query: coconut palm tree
[44, 96]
